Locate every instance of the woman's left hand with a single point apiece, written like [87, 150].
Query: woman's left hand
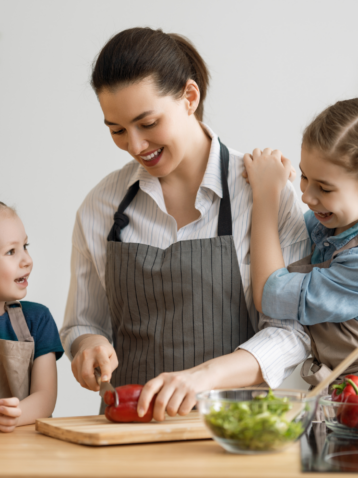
[175, 392]
[268, 167]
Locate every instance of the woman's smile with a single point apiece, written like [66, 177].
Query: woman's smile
[153, 157]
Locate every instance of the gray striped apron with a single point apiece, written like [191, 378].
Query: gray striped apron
[331, 342]
[174, 308]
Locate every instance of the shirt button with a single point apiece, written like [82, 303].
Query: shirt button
[326, 244]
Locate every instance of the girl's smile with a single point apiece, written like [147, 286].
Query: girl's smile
[329, 190]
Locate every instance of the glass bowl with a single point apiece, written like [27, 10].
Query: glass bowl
[252, 421]
[339, 415]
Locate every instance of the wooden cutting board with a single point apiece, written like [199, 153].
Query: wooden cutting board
[97, 430]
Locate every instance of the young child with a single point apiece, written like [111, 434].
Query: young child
[321, 290]
[29, 340]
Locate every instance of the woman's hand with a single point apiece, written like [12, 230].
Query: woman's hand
[175, 392]
[9, 414]
[91, 351]
[268, 168]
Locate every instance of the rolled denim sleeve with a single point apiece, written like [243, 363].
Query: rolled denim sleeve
[323, 295]
[281, 295]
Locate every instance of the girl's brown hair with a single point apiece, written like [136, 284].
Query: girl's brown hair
[138, 53]
[334, 132]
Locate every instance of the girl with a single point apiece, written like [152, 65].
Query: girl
[321, 290]
[159, 263]
[29, 340]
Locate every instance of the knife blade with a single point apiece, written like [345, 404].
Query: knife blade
[105, 386]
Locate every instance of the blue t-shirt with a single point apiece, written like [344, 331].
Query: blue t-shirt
[42, 328]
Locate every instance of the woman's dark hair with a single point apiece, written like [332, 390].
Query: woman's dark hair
[334, 133]
[138, 53]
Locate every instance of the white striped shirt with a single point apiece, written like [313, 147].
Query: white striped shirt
[279, 345]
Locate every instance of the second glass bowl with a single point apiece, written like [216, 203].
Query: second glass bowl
[341, 418]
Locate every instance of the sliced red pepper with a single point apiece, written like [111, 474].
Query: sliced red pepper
[126, 411]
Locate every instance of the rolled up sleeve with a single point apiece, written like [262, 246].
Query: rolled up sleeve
[279, 347]
[87, 310]
[281, 295]
[323, 295]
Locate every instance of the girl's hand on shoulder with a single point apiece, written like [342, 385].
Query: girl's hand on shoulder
[175, 393]
[267, 170]
[9, 414]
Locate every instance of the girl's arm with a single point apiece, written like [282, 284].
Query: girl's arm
[43, 392]
[41, 401]
[268, 172]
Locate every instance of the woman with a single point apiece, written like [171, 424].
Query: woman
[171, 286]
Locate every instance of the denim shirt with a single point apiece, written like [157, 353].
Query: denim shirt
[322, 295]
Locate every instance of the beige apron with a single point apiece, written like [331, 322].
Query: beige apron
[16, 358]
[330, 342]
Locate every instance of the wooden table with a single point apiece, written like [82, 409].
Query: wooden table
[27, 453]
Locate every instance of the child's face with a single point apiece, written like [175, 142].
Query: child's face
[329, 190]
[15, 261]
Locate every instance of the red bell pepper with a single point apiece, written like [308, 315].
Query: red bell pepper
[348, 412]
[348, 387]
[126, 411]
[346, 392]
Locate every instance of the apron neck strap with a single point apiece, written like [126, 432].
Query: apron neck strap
[18, 322]
[120, 219]
[225, 218]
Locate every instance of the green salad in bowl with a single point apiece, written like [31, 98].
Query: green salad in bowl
[255, 420]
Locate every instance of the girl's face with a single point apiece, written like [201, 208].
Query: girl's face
[15, 261]
[155, 130]
[329, 190]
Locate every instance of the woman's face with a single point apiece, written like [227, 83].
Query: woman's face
[155, 130]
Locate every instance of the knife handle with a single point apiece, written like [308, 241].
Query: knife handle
[105, 385]
[97, 374]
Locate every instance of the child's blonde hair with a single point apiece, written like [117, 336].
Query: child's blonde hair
[334, 132]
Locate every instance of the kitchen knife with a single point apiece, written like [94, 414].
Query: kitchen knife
[105, 387]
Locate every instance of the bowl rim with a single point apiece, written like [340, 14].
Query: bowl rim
[327, 401]
[201, 396]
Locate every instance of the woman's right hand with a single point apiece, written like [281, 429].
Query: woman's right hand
[91, 351]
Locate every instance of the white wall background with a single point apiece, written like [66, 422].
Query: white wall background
[274, 64]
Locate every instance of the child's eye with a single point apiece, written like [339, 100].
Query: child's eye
[26, 246]
[325, 190]
[11, 252]
[303, 177]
